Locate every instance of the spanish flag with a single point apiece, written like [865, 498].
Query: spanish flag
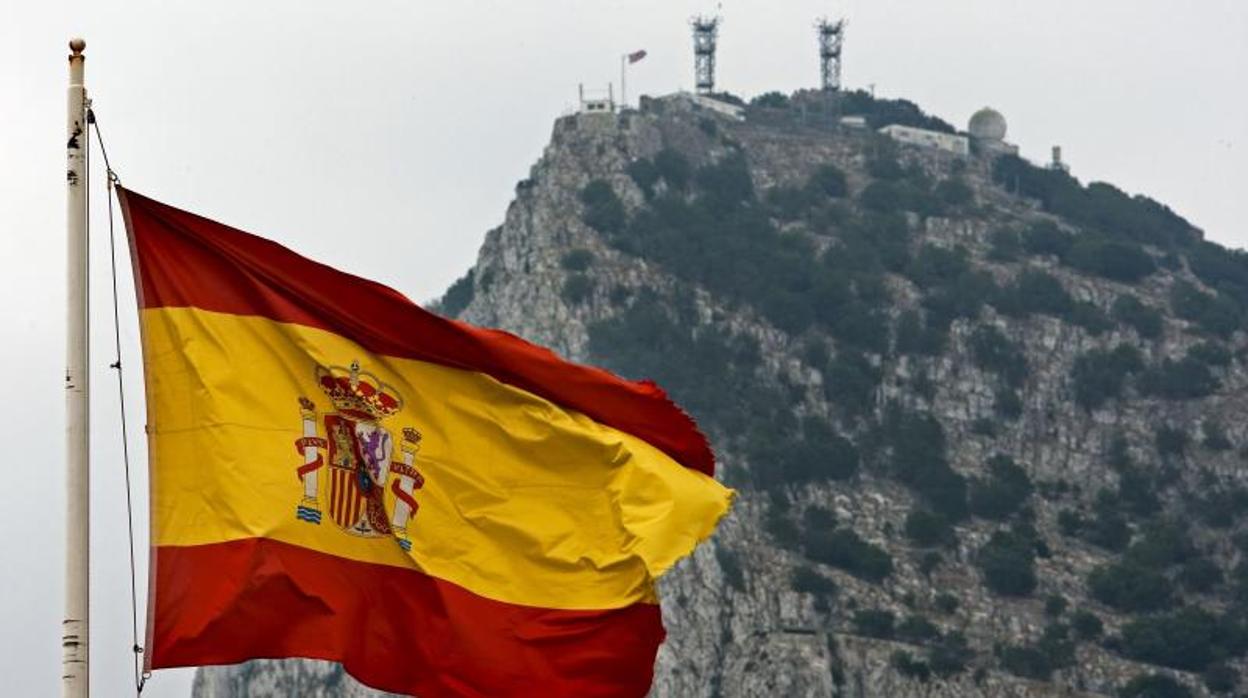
[339, 474]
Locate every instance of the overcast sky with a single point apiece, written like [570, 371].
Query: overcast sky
[386, 137]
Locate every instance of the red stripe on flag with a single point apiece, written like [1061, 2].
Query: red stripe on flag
[344, 496]
[342, 488]
[344, 503]
[394, 629]
[203, 264]
[333, 492]
[335, 495]
[348, 496]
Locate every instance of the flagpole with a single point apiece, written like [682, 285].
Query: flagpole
[623, 85]
[75, 673]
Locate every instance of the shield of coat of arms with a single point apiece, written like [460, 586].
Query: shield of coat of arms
[347, 471]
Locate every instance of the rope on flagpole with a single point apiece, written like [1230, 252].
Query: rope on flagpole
[140, 676]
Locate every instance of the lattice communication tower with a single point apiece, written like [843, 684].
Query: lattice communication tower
[705, 32]
[831, 38]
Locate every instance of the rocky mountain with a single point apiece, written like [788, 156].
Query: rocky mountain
[987, 423]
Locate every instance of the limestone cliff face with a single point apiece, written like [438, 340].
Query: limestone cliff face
[738, 625]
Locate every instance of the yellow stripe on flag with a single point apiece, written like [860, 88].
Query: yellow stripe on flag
[523, 501]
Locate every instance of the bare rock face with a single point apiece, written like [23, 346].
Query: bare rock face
[739, 621]
[303, 677]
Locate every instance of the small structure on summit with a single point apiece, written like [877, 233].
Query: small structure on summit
[926, 138]
[597, 103]
[1057, 163]
[691, 101]
[988, 128]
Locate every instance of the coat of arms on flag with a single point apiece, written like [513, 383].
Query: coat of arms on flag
[360, 457]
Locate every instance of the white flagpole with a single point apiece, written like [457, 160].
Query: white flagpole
[75, 673]
[623, 84]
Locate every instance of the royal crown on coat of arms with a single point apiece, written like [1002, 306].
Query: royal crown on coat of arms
[358, 393]
[352, 484]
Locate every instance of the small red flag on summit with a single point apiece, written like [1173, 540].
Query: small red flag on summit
[636, 56]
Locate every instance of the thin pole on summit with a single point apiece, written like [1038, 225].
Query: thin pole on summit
[75, 673]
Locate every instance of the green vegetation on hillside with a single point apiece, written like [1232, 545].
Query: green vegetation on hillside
[918, 459]
[1007, 562]
[724, 239]
[881, 112]
[603, 209]
[1146, 321]
[1099, 206]
[1154, 686]
[708, 372]
[993, 351]
[1053, 651]
[1003, 492]
[1189, 639]
[458, 296]
[845, 549]
[1115, 225]
[1100, 375]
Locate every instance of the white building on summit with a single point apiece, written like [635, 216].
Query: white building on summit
[986, 136]
[600, 103]
[950, 142]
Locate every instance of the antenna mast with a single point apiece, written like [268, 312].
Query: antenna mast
[705, 32]
[831, 38]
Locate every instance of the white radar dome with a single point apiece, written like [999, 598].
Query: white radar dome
[987, 125]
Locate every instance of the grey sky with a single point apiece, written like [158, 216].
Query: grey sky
[387, 141]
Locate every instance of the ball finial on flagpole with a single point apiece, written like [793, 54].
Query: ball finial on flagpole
[77, 44]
